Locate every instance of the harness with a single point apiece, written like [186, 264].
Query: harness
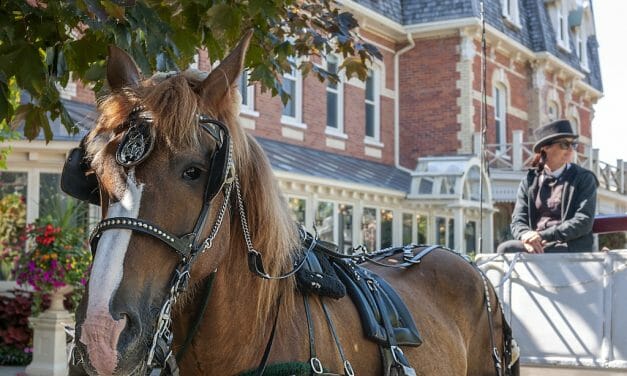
[135, 147]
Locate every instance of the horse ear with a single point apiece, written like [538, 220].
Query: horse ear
[121, 69]
[220, 80]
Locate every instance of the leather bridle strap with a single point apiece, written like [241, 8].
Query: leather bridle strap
[266, 353]
[182, 245]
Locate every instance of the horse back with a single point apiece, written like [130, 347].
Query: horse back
[446, 297]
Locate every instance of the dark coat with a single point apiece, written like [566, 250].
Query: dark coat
[578, 210]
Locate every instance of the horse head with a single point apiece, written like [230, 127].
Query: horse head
[165, 152]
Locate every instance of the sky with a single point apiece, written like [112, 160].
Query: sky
[609, 126]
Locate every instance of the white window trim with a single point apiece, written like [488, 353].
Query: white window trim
[339, 91]
[296, 120]
[376, 76]
[561, 24]
[249, 108]
[502, 116]
[581, 45]
[556, 105]
[511, 14]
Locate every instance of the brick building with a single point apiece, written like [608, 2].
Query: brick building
[395, 159]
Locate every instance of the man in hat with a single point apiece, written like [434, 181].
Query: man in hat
[556, 201]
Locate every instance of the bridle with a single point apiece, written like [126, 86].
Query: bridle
[135, 146]
[187, 247]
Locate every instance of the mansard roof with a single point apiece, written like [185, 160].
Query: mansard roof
[535, 31]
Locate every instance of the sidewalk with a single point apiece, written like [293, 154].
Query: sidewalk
[11, 371]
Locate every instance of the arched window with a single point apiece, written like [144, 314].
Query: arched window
[553, 110]
[500, 115]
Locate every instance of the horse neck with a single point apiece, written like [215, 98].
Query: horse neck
[233, 336]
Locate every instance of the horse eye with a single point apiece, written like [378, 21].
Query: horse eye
[191, 173]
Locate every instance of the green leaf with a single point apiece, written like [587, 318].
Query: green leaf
[67, 121]
[354, 68]
[113, 9]
[95, 72]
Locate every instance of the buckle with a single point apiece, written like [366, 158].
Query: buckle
[316, 366]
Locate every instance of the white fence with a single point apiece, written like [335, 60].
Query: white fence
[566, 309]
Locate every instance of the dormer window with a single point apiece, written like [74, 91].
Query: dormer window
[561, 27]
[510, 12]
[580, 22]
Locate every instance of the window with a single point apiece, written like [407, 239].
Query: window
[247, 92]
[334, 222]
[451, 233]
[440, 235]
[470, 237]
[372, 106]
[553, 110]
[345, 225]
[561, 28]
[500, 115]
[445, 231]
[408, 228]
[298, 208]
[421, 236]
[580, 45]
[369, 228]
[472, 185]
[408, 222]
[53, 202]
[13, 191]
[292, 85]
[510, 11]
[387, 219]
[325, 221]
[334, 98]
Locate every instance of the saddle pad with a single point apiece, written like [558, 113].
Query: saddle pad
[372, 295]
[317, 276]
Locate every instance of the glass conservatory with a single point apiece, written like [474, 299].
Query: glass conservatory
[460, 200]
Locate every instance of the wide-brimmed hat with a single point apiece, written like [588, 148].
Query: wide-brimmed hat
[552, 131]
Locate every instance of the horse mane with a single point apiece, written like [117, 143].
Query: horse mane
[174, 106]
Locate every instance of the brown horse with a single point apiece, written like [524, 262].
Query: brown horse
[167, 166]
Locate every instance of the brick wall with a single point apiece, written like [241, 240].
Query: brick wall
[428, 100]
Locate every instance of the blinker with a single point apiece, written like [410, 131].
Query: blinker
[136, 144]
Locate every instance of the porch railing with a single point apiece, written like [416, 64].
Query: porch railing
[518, 156]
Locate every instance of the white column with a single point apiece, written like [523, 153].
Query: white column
[595, 162]
[460, 226]
[488, 233]
[476, 143]
[620, 166]
[517, 151]
[49, 344]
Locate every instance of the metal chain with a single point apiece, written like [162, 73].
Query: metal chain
[165, 315]
[242, 214]
[218, 223]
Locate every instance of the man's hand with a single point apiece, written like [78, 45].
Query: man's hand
[532, 242]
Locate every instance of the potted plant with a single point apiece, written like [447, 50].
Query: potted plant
[12, 224]
[56, 260]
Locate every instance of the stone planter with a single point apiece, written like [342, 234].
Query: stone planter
[49, 338]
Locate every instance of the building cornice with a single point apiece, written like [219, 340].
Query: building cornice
[470, 27]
